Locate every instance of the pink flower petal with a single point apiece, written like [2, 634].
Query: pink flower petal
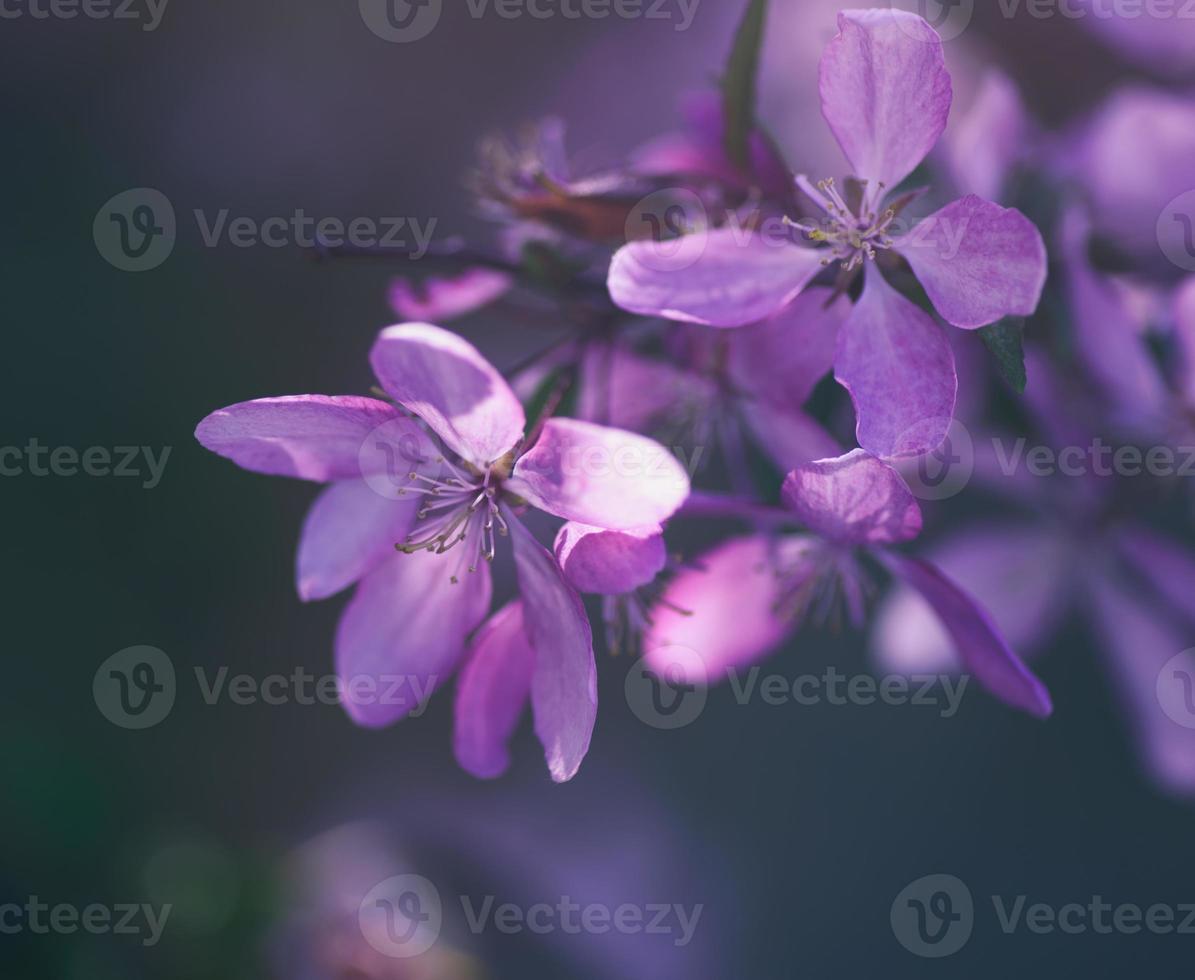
[445, 381]
[564, 685]
[720, 613]
[446, 299]
[349, 530]
[600, 562]
[979, 262]
[856, 499]
[312, 437]
[982, 648]
[595, 475]
[885, 91]
[493, 688]
[404, 633]
[723, 278]
[899, 369]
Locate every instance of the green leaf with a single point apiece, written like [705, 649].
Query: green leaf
[538, 400]
[739, 82]
[1004, 340]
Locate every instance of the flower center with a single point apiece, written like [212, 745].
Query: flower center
[460, 508]
[854, 235]
[818, 583]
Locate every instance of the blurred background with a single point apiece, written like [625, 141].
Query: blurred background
[264, 826]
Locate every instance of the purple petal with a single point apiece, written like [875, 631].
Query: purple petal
[1155, 673]
[1022, 574]
[700, 152]
[782, 359]
[1134, 159]
[788, 436]
[1168, 568]
[724, 278]
[721, 612]
[601, 562]
[492, 691]
[349, 530]
[564, 685]
[1109, 339]
[404, 633]
[899, 369]
[1184, 329]
[885, 92]
[445, 381]
[1158, 38]
[855, 499]
[629, 391]
[596, 475]
[447, 299]
[978, 262]
[984, 652]
[312, 437]
[984, 144]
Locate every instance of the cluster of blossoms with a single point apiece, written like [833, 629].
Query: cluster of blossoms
[709, 293]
